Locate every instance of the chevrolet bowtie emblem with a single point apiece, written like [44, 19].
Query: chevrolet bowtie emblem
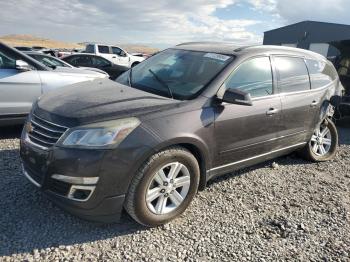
[29, 127]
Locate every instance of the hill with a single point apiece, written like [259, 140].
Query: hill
[30, 40]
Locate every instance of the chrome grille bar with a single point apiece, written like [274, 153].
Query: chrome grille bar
[44, 133]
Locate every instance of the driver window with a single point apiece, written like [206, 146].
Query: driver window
[116, 50]
[253, 76]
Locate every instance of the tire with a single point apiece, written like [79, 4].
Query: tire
[134, 64]
[146, 185]
[313, 151]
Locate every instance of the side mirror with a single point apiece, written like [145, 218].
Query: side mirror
[123, 54]
[22, 66]
[236, 96]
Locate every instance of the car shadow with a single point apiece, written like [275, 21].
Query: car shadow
[10, 132]
[343, 127]
[30, 221]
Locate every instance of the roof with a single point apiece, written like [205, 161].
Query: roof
[34, 53]
[308, 22]
[231, 49]
[214, 47]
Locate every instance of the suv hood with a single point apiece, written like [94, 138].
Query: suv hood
[97, 101]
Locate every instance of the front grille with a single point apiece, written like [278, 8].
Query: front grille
[44, 133]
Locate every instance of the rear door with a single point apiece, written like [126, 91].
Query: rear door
[244, 132]
[18, 89]
[299, 102]
[106, 52]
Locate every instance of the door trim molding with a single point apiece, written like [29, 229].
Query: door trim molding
[257, 156]
[262, 142]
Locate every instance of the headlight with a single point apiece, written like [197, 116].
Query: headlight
[100, 135]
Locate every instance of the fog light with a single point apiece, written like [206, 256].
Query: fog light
[80, 193]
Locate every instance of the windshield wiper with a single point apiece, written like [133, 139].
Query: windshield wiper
[162, 82]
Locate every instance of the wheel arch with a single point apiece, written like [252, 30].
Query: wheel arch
[198, 149]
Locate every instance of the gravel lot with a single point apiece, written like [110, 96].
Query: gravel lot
[287, 210]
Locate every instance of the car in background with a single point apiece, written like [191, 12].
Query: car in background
[114, 54]
[94, 61]
[23, 48]
[23, 80]
[54, 62]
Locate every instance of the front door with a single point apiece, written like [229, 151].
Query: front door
[121, 57]
[243, 132]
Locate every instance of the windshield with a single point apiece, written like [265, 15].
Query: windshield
[176, 73]
[49, 61]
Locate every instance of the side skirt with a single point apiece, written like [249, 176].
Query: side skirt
[224, 169]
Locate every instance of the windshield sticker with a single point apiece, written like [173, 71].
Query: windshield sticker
[217, 56]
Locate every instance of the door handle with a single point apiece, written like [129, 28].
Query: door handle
[314, 103]
[271, 111]
[114, 57]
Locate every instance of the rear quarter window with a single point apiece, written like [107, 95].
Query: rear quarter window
[293, 75]
[90, 49]
[321, 73]
[103, 49]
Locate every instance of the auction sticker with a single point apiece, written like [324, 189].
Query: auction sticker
[217, 56]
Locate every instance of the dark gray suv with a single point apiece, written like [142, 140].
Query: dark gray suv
[150, 140]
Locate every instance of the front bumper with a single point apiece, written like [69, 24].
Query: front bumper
[113, 168]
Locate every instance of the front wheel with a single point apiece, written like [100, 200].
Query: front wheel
[323, 143]
[163, 187]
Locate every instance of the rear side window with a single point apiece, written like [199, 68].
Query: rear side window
[79, 60]
[103, 49]
[293, 74]
[253, 76]
[321, 73]
[7, 61]
[100, 62]
[90, 49]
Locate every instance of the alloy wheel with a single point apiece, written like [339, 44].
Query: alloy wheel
[168, 188]
[321, 141]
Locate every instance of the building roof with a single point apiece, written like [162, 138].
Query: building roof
[309, 22]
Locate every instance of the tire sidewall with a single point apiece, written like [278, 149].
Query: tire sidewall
[141, 209]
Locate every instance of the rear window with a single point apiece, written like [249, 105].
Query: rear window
[293, 74]
[321, 73]
[103, 49]
[90, 49]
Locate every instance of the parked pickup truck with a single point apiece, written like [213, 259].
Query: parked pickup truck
[114, 54]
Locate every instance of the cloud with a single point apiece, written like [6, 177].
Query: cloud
[299, 10]
[165, 21]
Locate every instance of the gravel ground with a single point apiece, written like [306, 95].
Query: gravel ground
[288, 209]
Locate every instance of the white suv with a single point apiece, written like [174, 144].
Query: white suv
[114, 54]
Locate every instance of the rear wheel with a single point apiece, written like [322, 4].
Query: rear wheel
[323, 143]
[163, 187]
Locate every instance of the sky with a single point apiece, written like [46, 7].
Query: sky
[162, 23]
